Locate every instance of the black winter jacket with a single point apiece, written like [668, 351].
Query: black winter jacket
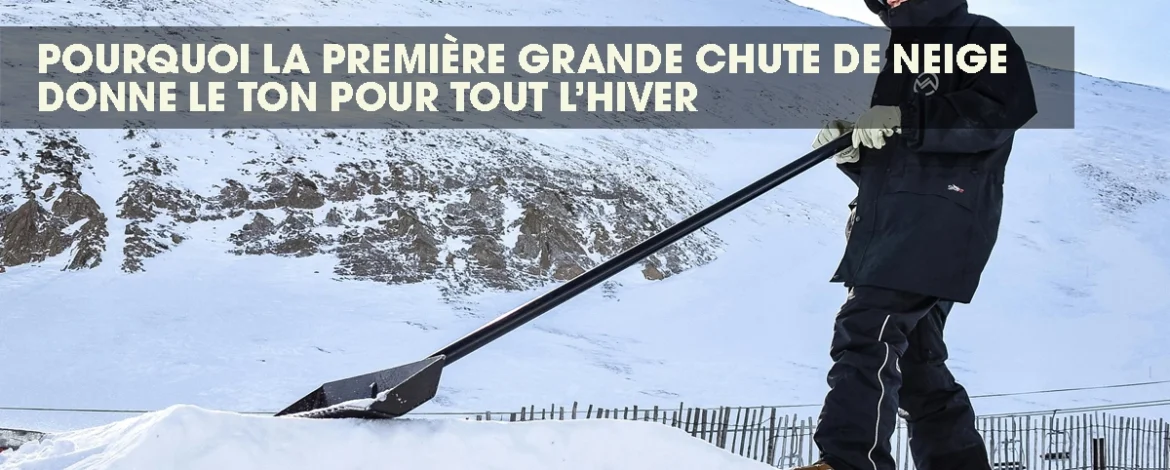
[928, 208]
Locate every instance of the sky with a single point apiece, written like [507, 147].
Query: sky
[1116, 40]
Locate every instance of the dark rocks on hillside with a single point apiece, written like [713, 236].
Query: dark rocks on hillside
[286, 190]
[296, 237]
[360, 215]
[293, 236]
[89, 243]
[5, 209]
[373, 253]
[651, 270]
[481, 215]
[260, 226]
[90, 239]
[56, 214]
[353, 181]
[144, 241]
[466, 210]
[488, 255]
[146, 166]
[600, 240]
[302, 194]
[73, 206]
[157, 207]
[146, 199]
[58, 157]
[32, 234]
[549, 238]
[233, 198]
[334, 218]
[252, 236]
[145, 203]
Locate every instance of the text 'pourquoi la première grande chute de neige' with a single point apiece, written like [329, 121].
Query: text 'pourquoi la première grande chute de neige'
[299, 94]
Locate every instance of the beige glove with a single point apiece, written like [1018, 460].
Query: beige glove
[832, 130]
[875, 125]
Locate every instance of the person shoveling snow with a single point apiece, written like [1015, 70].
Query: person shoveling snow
[928, 158]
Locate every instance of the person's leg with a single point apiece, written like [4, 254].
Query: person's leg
[938, 412]
[861, 408]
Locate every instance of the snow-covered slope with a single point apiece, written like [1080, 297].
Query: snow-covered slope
[1072, 296]
[191, 438]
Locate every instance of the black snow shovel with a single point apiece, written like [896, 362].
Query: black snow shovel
[391, 393]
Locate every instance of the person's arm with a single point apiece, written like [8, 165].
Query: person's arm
[980, 116]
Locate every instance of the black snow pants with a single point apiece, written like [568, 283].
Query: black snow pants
[888, 355]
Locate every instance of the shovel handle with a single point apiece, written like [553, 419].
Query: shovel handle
[535, 307]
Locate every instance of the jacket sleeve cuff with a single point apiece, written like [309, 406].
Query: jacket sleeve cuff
[911, 124]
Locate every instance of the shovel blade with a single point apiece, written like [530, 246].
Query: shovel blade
[384, 394]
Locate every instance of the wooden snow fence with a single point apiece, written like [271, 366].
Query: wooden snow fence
[778, 437]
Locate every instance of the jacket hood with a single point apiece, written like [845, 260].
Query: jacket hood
[915, 13]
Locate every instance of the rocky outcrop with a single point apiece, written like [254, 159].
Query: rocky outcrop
[466, 210]
[154, 206]
[292, 236]
[32, 234]
[56, 215]
[549, 243]
[89, 241]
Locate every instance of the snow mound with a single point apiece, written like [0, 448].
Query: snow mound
[188, 437]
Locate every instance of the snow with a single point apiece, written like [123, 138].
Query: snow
[1073, 296]
[193, 438]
